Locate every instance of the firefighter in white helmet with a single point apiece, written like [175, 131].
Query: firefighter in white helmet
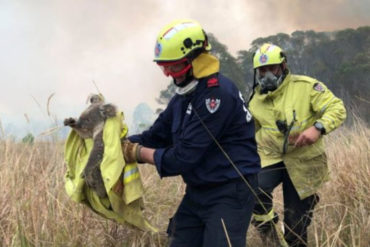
[292, 113]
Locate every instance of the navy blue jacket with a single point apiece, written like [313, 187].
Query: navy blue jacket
[183, 146]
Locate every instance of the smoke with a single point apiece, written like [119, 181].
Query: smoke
[62, 46]
[314, 14]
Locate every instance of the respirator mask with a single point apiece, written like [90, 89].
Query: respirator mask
[269, 81]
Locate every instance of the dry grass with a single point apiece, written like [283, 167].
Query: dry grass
[34, 209]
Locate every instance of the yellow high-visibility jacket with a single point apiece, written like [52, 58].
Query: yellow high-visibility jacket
[122, 181]
[301, 100]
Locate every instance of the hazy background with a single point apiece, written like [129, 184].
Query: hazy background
[62, 46]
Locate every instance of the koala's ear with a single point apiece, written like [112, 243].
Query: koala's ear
[108, 110]
[95, 98]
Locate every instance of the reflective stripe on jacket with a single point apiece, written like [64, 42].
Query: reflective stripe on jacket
[300, 101]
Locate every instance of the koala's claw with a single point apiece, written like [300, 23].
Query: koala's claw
[69, 121]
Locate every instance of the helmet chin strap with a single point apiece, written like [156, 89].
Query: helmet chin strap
[189, 78]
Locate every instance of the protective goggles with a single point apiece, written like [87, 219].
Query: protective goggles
[176, 68]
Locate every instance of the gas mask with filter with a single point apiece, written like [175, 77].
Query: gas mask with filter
[269, 81]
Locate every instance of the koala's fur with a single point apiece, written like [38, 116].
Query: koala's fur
[90, 125]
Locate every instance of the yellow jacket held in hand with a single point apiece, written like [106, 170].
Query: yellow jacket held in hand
[300, 101]
[122, 181]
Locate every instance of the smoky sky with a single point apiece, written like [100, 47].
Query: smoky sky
[63, 46]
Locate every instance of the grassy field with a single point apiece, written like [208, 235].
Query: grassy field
[35, 210]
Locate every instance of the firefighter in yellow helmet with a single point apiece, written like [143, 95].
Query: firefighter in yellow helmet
[292, 113]
[177, 46]
[206, 110]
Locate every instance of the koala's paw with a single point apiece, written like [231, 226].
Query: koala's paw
[94, 180]
[70, 122]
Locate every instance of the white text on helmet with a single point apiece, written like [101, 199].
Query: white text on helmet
[171, 32]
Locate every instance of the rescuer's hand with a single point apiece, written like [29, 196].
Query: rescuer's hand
[307, 137]
[131, 151]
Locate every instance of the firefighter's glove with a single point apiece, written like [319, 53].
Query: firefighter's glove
[131, 151]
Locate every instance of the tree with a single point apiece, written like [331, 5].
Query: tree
[229, 66]
[28, 139]
[143, 118]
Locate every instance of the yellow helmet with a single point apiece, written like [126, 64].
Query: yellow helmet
[268, 54]
[179, 39]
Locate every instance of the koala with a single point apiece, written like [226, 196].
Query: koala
[90, 125]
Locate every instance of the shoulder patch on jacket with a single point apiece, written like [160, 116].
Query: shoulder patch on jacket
[212, 82]
[318, 87]
[212, 104]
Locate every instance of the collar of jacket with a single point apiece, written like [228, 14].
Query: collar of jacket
[276, 92]
[204, 65]
[187, 89]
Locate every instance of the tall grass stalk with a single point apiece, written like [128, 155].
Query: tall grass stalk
[35, 211]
